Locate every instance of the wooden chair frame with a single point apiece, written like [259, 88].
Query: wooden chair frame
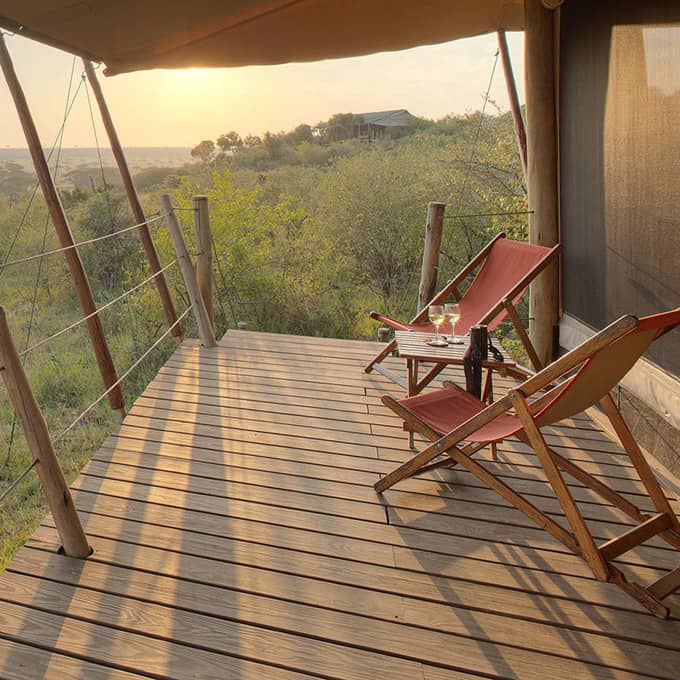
[453, 449]
[504, 305]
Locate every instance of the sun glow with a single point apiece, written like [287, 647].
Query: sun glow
[194, 75]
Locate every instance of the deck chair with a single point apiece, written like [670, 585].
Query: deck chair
[459, 425]
[506, 268]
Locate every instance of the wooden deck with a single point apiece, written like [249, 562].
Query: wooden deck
[237, 535]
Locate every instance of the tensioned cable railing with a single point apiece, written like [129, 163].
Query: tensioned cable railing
[102, 396]
[84, 319]
[489, 214]
[17, 481]
[136, 363]
[96, 239]
[41, 443]
[110, 303]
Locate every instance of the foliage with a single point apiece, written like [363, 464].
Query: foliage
[323, 233]
[205, 151]
[230, 141]
[113, 262]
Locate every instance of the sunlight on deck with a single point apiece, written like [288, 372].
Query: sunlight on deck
[237, 535]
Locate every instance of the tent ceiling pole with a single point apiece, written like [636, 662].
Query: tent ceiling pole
[133, 199]
[61, 225]
[542, 171]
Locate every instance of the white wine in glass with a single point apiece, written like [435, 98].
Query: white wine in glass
[452, 314]
[435, 313]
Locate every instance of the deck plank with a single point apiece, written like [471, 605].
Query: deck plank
[237, 534]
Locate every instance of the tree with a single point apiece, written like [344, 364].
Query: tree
[230, 141]
[273, 143]
[251, 141]
[204, 151]
[302, 133]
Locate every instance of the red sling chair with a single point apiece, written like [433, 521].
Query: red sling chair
[460, 425]
[506, 268]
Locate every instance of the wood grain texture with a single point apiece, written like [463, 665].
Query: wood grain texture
[236, 534]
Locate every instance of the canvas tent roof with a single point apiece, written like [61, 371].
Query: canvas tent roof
[395, 118]
[129, 35]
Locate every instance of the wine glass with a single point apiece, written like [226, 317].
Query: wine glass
[435, 314]
[452, 314]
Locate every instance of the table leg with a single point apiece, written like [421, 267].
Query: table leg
[487, 398]
[412, 381]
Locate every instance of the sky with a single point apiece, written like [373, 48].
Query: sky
[181, 108]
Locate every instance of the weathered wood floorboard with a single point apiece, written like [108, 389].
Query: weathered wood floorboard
[237, 535]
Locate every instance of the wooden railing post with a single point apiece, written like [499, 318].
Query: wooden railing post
[61, 226]
[205, 330]
[40, 444]
[433, 242]
[133, 199]
[204, 260]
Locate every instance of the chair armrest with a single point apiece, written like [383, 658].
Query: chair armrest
[393, 323]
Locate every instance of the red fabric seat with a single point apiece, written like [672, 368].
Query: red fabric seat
[446, 409]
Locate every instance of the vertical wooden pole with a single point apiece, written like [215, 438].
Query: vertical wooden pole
[133, 199]
[204, 262]
[38, 439]
[61, 225]
[433, 242]
[518, 122]
[542, 171]
[205, 330]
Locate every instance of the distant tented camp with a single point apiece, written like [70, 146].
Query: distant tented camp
[366, 126]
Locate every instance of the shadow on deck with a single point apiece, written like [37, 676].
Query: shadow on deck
[237, 535]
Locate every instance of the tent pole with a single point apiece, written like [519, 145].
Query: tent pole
[133, 199]
[61, 226]
[542, 171]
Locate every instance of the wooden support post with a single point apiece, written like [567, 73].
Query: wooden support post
[61, 225]
[517, 120]
[433, 242]
[542, 171]
[204, 261]
[133, 199]
[205, 330]
[38, 439]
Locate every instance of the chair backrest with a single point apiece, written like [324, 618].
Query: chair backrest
[508, 263]
[604, 369]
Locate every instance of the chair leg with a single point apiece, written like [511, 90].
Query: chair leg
[583, 536]
[380, 355]
[518, 501]
[519, 327]
[637, 592]
[636, 456]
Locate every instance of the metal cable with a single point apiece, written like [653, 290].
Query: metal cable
[17, 481]
[58, 139]
[101, 397]
[224, 283]
[99, 154]
[491, 214]
[110, 303]
[31, 258]
[472, 151]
